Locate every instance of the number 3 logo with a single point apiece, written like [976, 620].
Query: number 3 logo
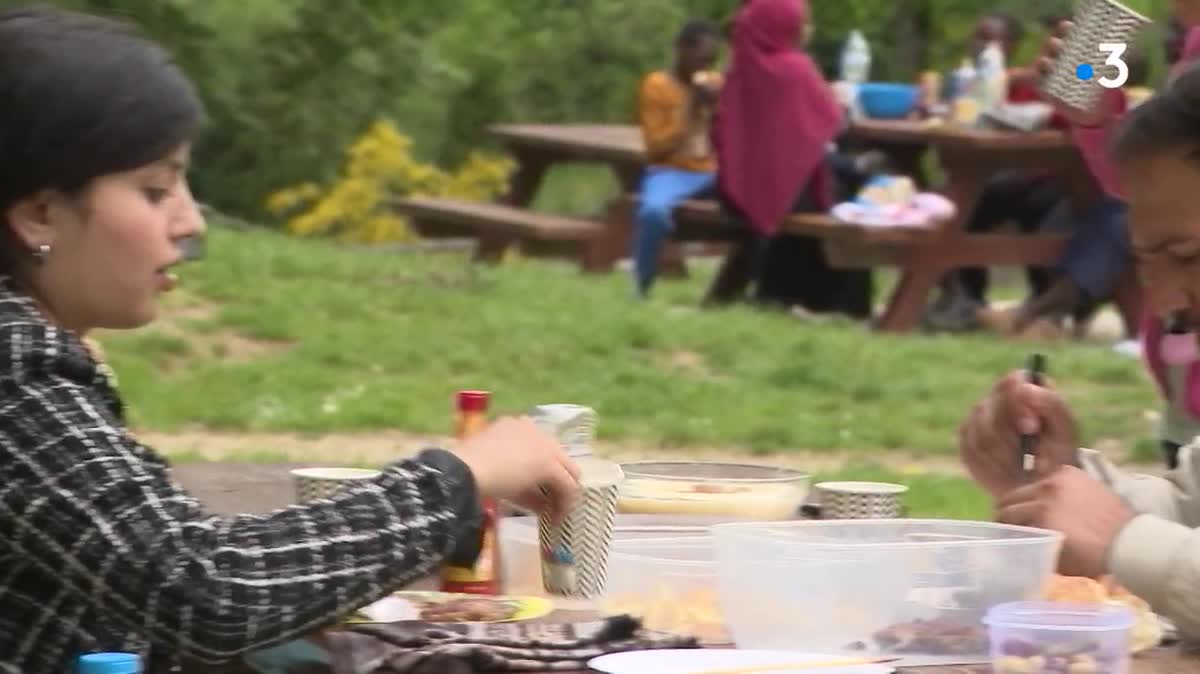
[1115, 51]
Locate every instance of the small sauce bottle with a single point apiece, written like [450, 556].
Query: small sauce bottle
[484, 577]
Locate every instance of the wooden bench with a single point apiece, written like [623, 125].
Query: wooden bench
[848, 246]
[495, 225]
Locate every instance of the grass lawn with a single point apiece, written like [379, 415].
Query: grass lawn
[277, 334]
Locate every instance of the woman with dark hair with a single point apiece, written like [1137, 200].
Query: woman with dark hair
[775, 122]
[101, 550]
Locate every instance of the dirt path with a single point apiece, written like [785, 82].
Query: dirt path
[381, 447]
[248, 472]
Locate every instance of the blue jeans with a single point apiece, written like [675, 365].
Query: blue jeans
[1098, 252]
[662, 190]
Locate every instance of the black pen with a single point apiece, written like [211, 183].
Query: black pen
[1034, 373]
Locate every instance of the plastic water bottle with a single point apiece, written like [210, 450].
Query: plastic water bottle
[109, 663]
[961, 81]
[991, 79]
[964, 109]
[855, 66]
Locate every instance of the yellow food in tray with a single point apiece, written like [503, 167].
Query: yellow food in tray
[692, 612]
[682, 497]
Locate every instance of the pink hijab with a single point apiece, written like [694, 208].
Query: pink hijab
[775, 116]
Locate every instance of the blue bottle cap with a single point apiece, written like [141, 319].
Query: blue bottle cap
[108, 663]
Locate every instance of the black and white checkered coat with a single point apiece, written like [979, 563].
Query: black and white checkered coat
[100, 550]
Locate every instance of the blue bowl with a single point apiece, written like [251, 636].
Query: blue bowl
[887, 100]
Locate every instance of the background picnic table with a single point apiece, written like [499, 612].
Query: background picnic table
[968, 157]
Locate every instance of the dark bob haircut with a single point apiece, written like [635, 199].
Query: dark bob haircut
[82, 97]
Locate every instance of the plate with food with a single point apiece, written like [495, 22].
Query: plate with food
[1149, 630]
[446, 607]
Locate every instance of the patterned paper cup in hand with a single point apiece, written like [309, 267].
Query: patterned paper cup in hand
[1074, 78]
[575, 551]
[312, 484]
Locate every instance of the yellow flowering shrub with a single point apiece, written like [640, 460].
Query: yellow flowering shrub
[379, 167]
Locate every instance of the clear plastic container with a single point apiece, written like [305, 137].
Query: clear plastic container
[744, 491]
[671, 584]
[914, 589]
[1039, 637]
[521, 568]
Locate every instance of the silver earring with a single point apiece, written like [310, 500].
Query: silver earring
[42, 252]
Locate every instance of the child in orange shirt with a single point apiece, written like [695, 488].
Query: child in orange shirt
[674, 109]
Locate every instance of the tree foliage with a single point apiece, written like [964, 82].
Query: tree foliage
[290, 83]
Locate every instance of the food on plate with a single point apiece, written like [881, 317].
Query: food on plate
[1075, 589]
[933, 637]
[466, 610]
[1147, 629]
[693, 612]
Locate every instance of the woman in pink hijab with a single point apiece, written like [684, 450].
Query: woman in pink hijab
[774, 122]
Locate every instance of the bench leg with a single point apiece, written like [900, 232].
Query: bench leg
[600, 256]
[904, 308]
[522, 187]
[674, 261]
[490, 249]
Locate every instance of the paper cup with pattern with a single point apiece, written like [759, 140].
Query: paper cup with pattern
[312, 484]
[573, 425]
[860, 500]
[575, 551]
[1095, 22]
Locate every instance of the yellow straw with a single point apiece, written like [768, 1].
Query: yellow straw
[798, 666]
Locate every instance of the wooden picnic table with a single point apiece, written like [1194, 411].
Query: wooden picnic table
[537, 148]
[969, 157]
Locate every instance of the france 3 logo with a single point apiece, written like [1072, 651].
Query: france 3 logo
[1115, 52]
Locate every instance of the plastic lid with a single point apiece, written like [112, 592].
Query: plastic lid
[108, 663]
[473, 401]
[1067, 617]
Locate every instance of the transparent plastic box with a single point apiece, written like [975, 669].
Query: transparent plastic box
[913, 589]
[1059, 638]
[641, 535]
[670, 584]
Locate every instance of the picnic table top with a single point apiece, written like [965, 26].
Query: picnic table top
[623, 142]
[1164, 660]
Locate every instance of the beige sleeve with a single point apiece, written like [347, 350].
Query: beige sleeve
[1157, 555]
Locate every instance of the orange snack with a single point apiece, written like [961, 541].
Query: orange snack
[1075, 589]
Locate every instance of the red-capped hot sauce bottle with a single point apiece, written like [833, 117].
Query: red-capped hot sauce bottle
[484, 577]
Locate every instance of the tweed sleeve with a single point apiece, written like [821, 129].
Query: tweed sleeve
[85, 502]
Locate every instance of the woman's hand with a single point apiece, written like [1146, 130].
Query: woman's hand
[514, 460]
[989, 440]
